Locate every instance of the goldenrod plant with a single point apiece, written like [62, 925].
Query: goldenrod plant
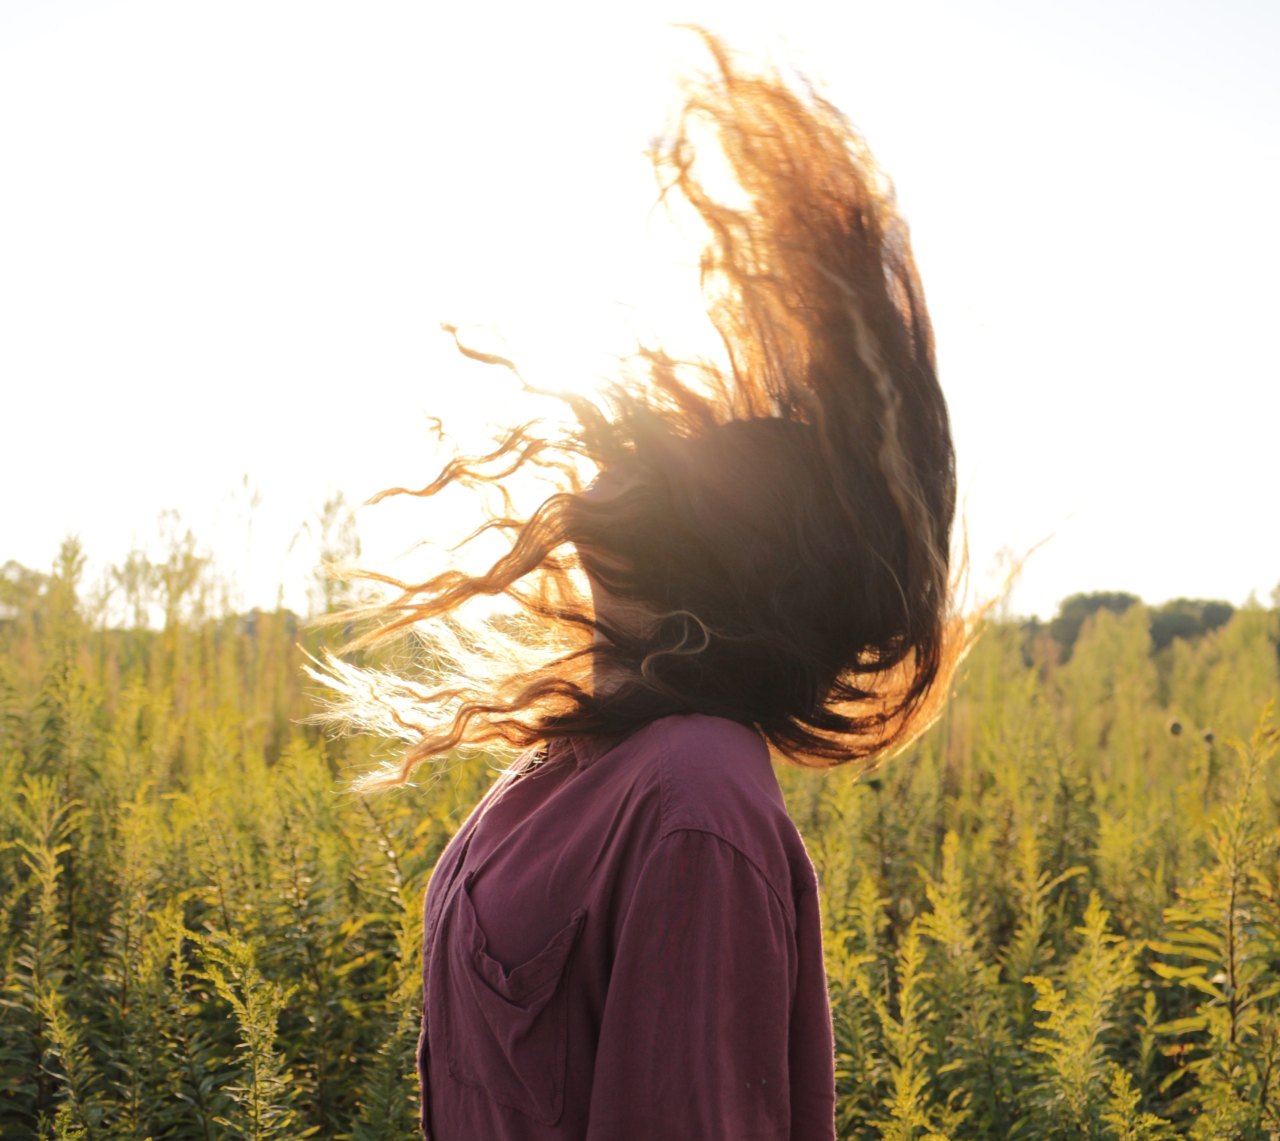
[1055, 916]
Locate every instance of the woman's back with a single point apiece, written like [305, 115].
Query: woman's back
[625, 943]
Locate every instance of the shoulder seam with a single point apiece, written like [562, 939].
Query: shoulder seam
[664, 783]
[788, 909]
[665, 828]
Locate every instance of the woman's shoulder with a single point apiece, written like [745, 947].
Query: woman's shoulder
[716, 777]
[703, 752]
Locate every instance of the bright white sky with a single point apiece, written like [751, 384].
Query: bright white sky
[229, 231]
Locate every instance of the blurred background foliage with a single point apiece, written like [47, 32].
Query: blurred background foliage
[1056, 916]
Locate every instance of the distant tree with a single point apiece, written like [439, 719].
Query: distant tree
[1038, 646]
[1074, 610]
[1187, 618]
[20, 589]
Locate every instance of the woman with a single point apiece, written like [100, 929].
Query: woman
[623, 941]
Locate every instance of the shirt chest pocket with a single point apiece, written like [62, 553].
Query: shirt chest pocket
[505, 1030]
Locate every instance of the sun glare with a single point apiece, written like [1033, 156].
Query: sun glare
[263, 293]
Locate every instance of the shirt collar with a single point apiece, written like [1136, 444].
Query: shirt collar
[583, 751]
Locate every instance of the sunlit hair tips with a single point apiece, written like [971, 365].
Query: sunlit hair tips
[768, 540]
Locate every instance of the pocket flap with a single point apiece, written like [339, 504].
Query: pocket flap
[533, 981]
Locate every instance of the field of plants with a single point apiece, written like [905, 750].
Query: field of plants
[1057, 916]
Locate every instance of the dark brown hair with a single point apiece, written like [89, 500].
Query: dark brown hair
[773, 537]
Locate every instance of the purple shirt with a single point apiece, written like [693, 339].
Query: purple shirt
[627, 945]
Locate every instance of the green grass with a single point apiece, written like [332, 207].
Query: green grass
[1052, 918]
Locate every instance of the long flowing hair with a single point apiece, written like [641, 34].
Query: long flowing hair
[769, 540]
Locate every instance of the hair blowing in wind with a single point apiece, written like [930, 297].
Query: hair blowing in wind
[769, 540]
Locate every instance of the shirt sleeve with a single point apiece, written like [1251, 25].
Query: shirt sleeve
[695, 1037]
